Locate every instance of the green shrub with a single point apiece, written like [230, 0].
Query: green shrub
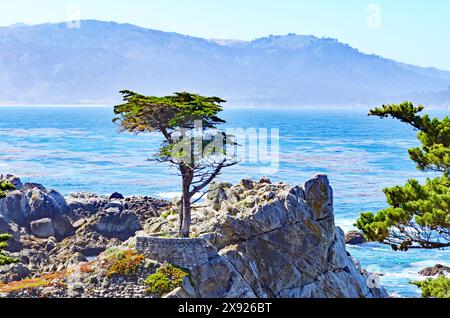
[435, 288]
[4, 187]
[167, 278]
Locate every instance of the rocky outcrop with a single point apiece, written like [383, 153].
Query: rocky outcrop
[51, 232]
[59, 227]
[15, 181]
[31, 202]
[89, 204]
[86, 203]
[436, 270]
[355, 238]
[275, 241]
[14, 244]
[256, 240]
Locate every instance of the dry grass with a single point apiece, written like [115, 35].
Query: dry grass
[54, 279]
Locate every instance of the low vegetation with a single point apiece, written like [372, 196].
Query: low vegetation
[54, 279]
[166, 279]
[125, 263]
[435, 288]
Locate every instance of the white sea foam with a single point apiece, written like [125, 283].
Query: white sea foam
[346, 224]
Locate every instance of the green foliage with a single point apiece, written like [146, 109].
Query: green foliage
[418, 215]
[191, 142]
[434, 135]
[175, 117]
[142, 113]
[435, 288]
[5, 186]
[5, 260]
[166, 279]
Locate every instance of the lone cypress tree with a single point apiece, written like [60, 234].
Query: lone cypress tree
[192, 143]
[418, 215]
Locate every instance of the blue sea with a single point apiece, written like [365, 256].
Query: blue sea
[74, 149]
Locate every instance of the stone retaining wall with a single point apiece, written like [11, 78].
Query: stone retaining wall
[185, 253]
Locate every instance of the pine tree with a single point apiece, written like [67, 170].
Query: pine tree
[435, 288]
[418, 215]
[4, 259]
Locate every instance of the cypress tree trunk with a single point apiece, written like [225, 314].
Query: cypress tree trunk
[184, 225]
[186, 222]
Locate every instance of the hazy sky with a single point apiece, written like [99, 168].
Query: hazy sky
[412, 31]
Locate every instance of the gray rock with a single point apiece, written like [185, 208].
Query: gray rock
[114, 205]
[355, 238]
[43, 228]
[319, 196]
[121, 225]
[87, 202]
[13, 273]
[265, 180]
[63, 227]
[247, 184]
[217, 194]
[15, 181]
[14, 244]
[435, 270]
[286, 248]
[79, 223]
[58, 227]
[33, 202]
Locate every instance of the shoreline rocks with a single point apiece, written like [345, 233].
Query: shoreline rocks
[265, 240]
[282, 245]
[51, 232]
[437, 270]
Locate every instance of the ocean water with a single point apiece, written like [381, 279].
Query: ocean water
[73, 149]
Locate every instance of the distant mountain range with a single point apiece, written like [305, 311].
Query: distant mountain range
[55, 64]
